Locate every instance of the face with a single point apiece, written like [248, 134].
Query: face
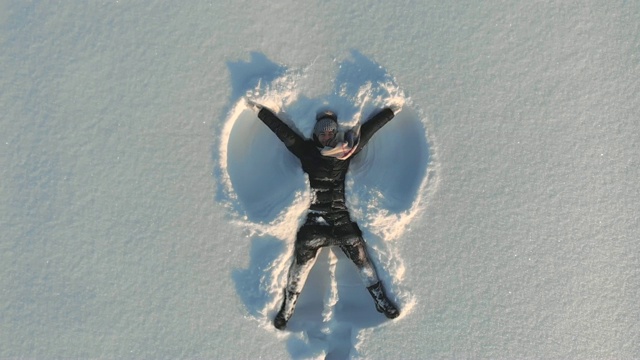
[325, 137]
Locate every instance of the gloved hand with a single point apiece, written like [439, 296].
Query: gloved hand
[395, 103]
[395, 107]
[253, 105]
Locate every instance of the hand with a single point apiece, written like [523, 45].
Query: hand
[253, 105]
[395, 107]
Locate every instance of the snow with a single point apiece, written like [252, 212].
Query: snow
[147, 213]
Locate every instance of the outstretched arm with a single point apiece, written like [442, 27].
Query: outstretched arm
[374, 124]
[282, 131]
[290, 138]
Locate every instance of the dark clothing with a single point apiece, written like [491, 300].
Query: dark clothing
[326, 174]
[328, 222]
[314, 235]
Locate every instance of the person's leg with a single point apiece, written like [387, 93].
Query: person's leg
[354, 247]
[356, 251]
[308, 241]
[296, 278]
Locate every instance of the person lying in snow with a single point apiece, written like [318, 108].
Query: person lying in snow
[326, 159]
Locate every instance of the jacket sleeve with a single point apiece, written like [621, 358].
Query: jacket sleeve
[373, 125]
[290, 138]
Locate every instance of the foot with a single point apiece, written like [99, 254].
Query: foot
[383, 304]
[388, 309]
[280, 322]
[286, 310]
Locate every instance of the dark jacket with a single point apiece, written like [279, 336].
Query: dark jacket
[326, 174]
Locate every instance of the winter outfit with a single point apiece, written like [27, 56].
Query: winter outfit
[328, 222]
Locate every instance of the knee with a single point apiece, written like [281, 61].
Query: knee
[304, 253]
[353, 241]
[357, 252]
[361, 261]
[308, 241]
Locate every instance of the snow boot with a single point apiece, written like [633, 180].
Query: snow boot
[383, 304]
[286, 310]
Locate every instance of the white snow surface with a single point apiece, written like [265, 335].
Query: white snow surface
[147, 213]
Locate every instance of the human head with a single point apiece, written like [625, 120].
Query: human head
[326, 128]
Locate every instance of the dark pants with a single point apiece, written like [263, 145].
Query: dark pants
[331, 229]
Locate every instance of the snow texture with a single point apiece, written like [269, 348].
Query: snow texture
[147, 213]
